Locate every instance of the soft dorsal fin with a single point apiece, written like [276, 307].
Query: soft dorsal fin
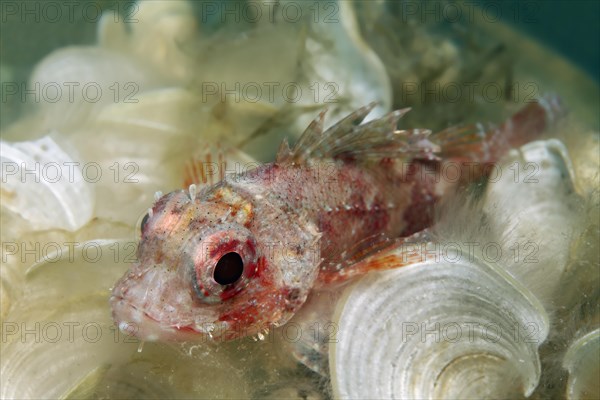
[348, 138]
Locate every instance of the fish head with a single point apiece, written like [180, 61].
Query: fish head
[206, 269]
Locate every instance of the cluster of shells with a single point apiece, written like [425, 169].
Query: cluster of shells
[472, 319]
[504, 301]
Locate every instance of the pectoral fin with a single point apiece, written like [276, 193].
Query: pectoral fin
[376, 254]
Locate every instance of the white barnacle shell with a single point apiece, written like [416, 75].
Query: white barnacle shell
[461, 329]
[586, 163]
[141, 147]
[45, 185]
[531, 202]
[67, 285]
[580, 311]
[71, 85]
[342, 70]
[582, 362]
[154, 31]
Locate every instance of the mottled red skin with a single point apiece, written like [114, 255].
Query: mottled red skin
[324, 213]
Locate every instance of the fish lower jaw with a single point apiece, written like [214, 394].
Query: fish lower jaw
[133, 322]
[137, 323]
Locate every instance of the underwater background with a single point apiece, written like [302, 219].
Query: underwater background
[567, 26]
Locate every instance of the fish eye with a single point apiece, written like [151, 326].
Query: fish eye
[229, 269]
[218, 274]
[144, 220]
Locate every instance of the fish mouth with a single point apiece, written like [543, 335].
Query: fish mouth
[135, 322]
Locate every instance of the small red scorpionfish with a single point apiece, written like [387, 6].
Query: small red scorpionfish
[235, 258]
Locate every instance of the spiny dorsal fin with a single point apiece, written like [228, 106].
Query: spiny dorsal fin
[348, 138]
[284, 153]
[318, 144]
[309, 138]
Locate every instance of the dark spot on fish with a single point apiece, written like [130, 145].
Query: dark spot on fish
[144, 221]
[294, 295]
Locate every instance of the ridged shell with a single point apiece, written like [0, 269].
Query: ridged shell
[405, 334]
[587, 163]
[583, 363]
[155, 31]
[580, 316]
[533, 188]
[23, 247]
[55, 194]
[75, 83]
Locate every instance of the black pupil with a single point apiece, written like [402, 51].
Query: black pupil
[229, 269]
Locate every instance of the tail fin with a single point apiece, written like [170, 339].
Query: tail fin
[487, 144]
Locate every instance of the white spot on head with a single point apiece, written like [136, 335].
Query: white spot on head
[157, 195]
[192, 191]
[136, 316]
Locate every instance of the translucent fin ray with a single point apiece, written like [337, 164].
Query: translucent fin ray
[350, 139]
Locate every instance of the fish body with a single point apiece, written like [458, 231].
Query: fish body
[236, 258]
